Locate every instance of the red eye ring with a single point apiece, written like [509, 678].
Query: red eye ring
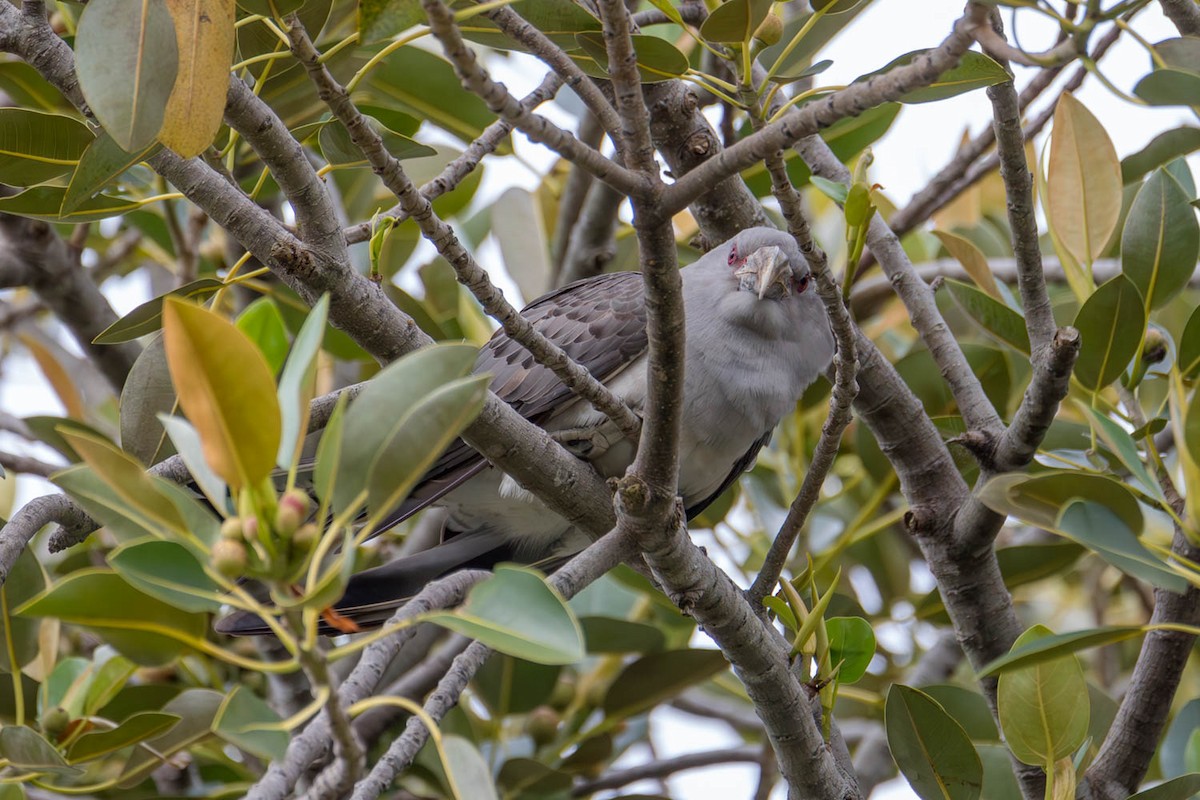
[802, 283]
[733, 256]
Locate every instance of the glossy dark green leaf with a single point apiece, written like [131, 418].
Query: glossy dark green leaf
[998, 320]
[1043, 707]
[108, 678]
[558, 20]
[140, 627]
[1161, 240]
[27, 751]
[438, 97]
[1111, 324]
[999, 782]
[103, 504]
[526, 777]
[516, 612]
[611, 635]
[1169, 87]
[1124, 447]
[36, 147]
[657, 677]
[197, 709]
[510, 685]
[852, 645]
[1103, 532]
[733, 21]
[126, 60]
[147, 317]
[1162, 149]
[137, 728]
[1180, 52]
[968, 708]
[930, 748]
[255, 39]
[245, 720]
[26, 87]
[657, 59]
[382, 19]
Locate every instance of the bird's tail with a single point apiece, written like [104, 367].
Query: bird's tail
[373, 595]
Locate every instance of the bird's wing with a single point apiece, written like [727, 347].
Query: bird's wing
[744, 463]
[599, 322]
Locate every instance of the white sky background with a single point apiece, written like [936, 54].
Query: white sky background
[918, 144]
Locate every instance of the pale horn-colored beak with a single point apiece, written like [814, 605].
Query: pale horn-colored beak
[770, 271]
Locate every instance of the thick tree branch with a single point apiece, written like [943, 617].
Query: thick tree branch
[1185, 14]
[1049, 385]
[592, 242]
[636, 147]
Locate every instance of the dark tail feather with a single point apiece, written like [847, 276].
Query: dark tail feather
[372, 596]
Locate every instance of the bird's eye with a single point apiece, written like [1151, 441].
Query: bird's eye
[733, 255]
[802, 284]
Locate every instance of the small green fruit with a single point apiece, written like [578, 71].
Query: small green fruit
[229, 558]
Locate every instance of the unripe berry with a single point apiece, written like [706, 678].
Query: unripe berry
[55, 721]
[233, 529]
[229, 558]
[306, 536]
[542, 725]
[770, 31]
[292, 511]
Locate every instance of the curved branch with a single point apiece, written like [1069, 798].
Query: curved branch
[667, 766]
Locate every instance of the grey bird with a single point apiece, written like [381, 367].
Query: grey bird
[757, 335]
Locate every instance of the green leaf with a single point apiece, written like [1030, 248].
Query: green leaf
[37, 147]
[1161, 240]
[1173, 752]
[516, 612]
[26, 750]
[382, 19]
[654, 678]
[852, 645]
[930, 747]
[226, 389]
[1043, 708]
[20, 636]
[126, 59]
[611, 635]
[137, 728]
[1103, 532]
[147, 317]
[657, 59]
[1169, 87]
[438, 97]
[419, 437]
[187, 443]
[510, 685]
[168, 571]
[1083, 184]
[329, 452]
[245, 720]
[1124, 447]
[297, 383]
[732, 22]
[1189, 347]
[558, 20]
[103, 504]
[263, 324]
[1184, 787]
[974, 71]
[1038, 499]
[518, 228]
[1111, 324]
[341, 152]
[46, 203]
[147, 393]
[997, 319]
[140, 627]
[467, 770]
[378, 414]
[968, 708]
[1039, 650]
[196, 708]
[1163, 149]
[107, 681]
[26, 87]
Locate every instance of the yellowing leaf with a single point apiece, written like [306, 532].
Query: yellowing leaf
[58, 377]
[972, 260]
[205, 35]
[226, 389]
[1084, 181]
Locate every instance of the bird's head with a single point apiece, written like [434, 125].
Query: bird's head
[768, 264]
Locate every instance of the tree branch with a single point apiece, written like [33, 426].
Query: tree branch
[667, 766]
[1185, 14]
